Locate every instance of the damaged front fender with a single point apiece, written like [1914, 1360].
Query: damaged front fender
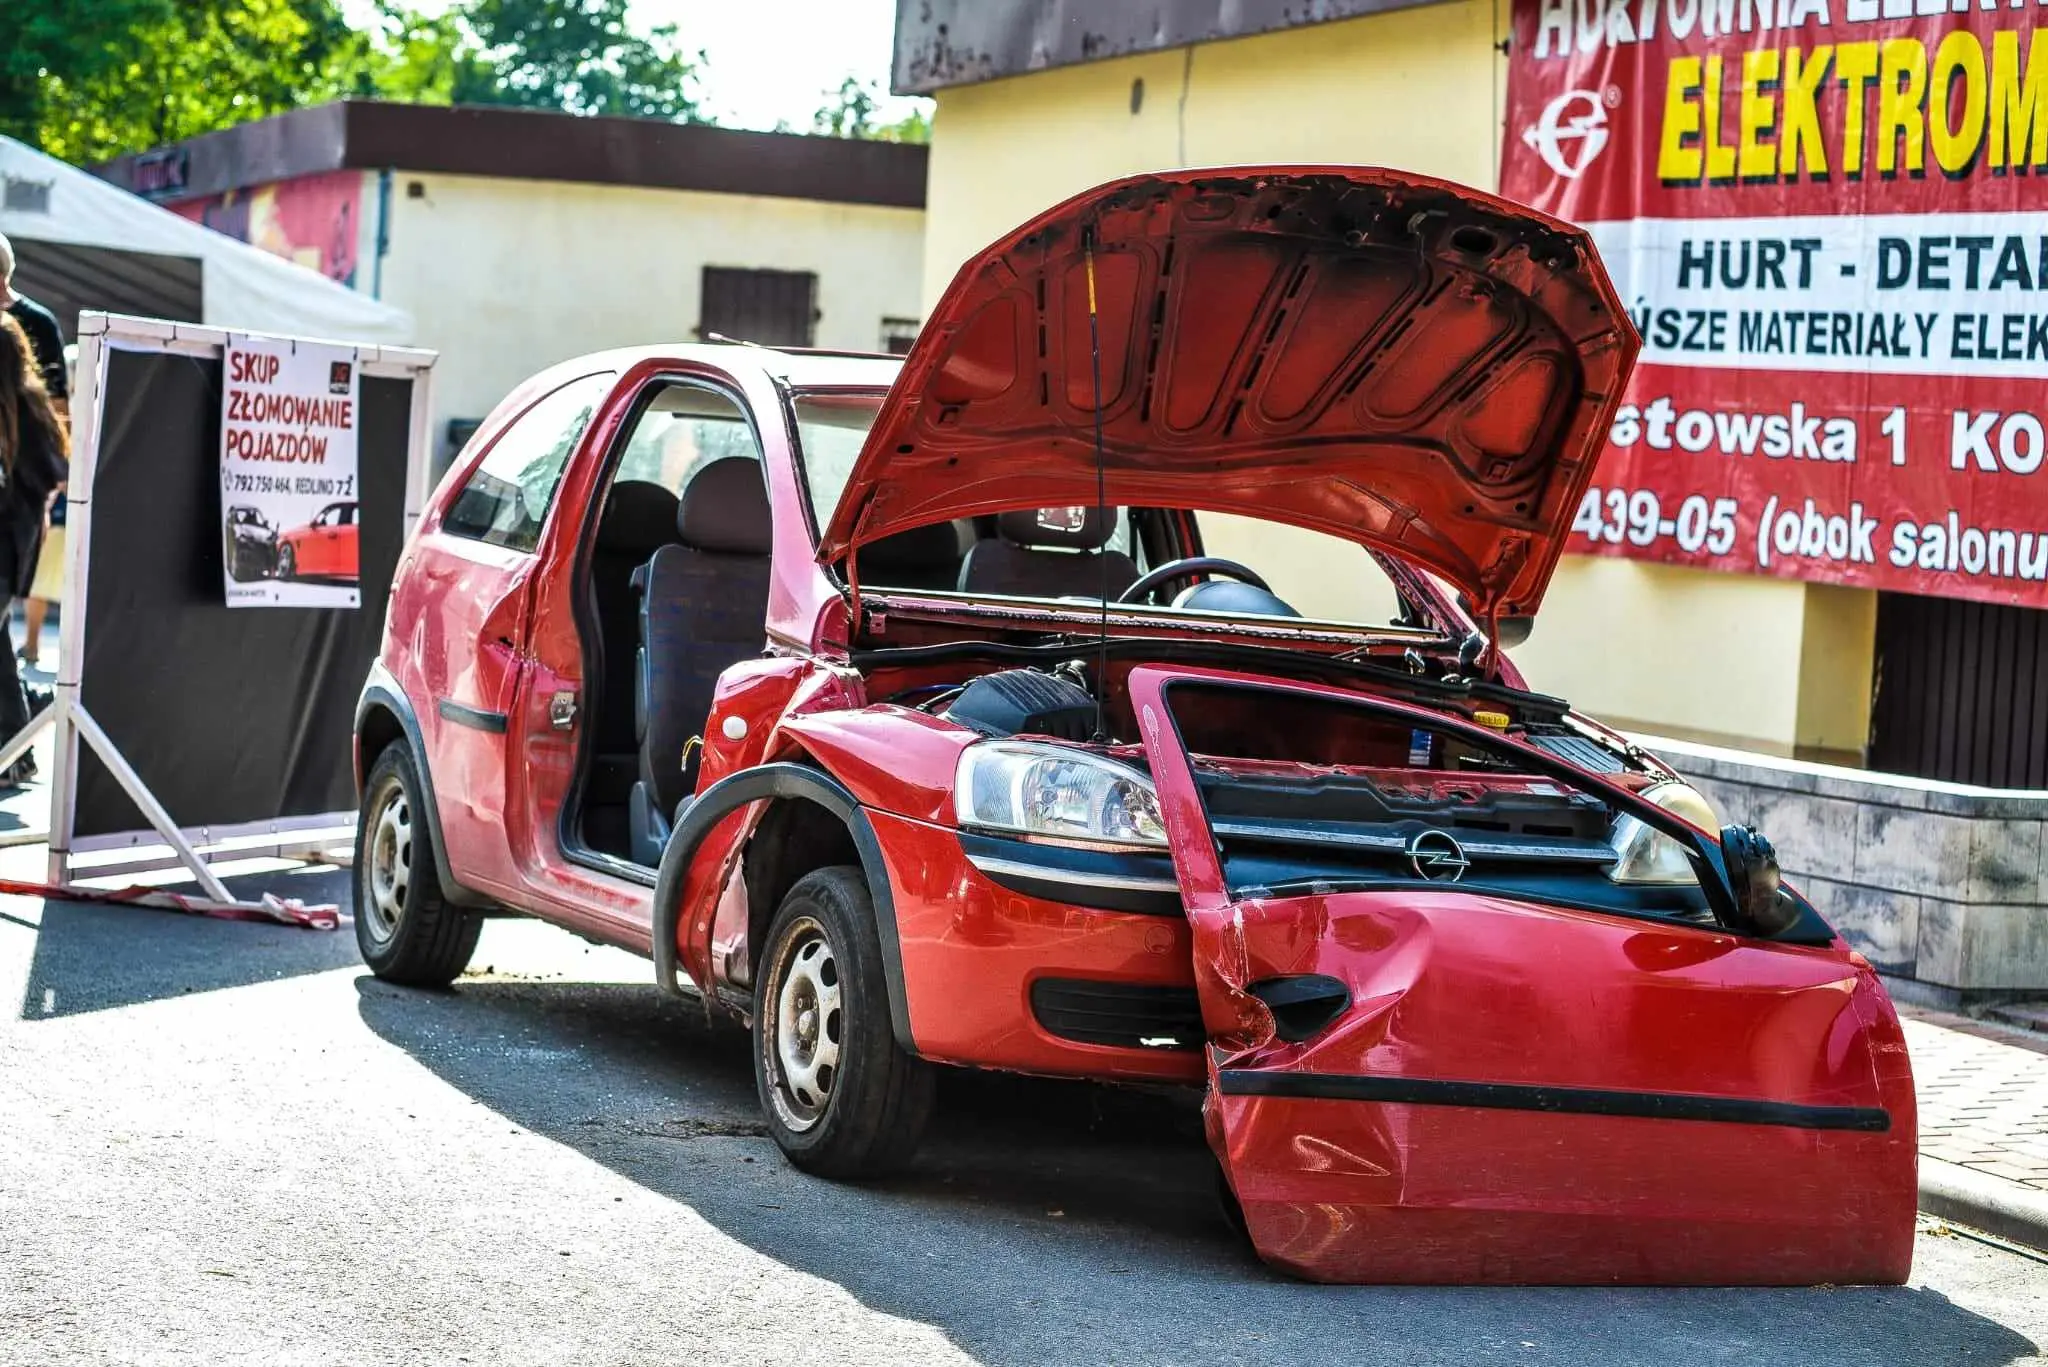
[1507, 1091]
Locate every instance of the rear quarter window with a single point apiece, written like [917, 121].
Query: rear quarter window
[505, 500]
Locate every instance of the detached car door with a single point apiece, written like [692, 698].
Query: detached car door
[1446, 1055]
[473, 572]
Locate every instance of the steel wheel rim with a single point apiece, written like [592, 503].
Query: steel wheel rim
[803, 1028]
[390, 861]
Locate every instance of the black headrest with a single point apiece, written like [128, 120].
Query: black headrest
[1080, 529]
[639, 518]
[921, 548]
[725, 508]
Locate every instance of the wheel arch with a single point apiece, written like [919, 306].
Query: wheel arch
[383, 716]
[811, 816]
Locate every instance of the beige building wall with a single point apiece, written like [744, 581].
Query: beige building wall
[1761, 663]
[507, 277]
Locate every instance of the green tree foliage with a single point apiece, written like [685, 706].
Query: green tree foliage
[576, 55]
[90, 79]
[140, 73]
[71, 38]
[849, 112]
[415, 58]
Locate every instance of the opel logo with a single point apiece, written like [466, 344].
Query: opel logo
[1569, 133]
[1435, 856]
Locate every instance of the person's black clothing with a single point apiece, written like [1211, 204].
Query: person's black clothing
[14, 715]
[39, 467]
[46, 340]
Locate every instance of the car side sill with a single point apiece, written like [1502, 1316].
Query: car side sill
[1507, 1096]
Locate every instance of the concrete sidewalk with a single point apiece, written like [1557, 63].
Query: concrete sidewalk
[1983, 1092]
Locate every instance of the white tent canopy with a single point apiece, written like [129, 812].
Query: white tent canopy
[242, 287]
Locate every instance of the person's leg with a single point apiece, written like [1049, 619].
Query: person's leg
[32, 649]
[13, 713]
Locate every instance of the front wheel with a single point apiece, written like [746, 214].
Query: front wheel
[287, 564]
[408, 933]
[841, 1098]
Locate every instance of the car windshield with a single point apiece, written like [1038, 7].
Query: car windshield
[1324, 578]
[830, 429]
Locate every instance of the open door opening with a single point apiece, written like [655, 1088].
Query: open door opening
[1453, 1039]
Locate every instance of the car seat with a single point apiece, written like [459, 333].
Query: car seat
[639, 519]
[1048, 553]
[922, 558]
[703, 609]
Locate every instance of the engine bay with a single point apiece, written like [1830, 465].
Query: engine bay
[1412, 779]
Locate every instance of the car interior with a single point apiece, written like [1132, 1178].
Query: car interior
[678, 594]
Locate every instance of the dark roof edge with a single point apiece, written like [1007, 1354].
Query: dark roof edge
[942, 43]
[526, 144]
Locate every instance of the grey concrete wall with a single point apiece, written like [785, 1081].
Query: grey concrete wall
[1937, 882]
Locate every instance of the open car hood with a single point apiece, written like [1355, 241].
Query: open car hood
[1406, 363]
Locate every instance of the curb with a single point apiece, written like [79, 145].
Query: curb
[1981, 1201]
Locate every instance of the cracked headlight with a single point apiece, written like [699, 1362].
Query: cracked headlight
[1644, 854]
[1055, 793]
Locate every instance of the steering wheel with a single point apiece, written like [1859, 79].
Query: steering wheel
[1187, 568]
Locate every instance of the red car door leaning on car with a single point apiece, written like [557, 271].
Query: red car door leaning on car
[468, 573]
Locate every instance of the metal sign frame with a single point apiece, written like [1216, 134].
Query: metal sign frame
[165, 844]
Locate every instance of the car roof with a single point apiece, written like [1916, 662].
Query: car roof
[801, 368]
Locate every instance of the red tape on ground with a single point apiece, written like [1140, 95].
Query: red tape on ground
[278, 910]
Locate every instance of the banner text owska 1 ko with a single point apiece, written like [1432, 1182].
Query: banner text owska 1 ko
[1829, 220]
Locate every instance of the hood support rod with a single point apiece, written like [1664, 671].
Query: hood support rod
[1101, 486]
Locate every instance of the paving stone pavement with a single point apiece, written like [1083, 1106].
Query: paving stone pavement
[1983, 1092]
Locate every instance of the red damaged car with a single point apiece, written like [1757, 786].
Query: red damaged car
[907, 715]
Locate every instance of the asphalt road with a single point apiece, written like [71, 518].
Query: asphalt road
[225, 1143]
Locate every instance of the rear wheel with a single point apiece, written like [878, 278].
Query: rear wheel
[842, 1100]
[407, 931]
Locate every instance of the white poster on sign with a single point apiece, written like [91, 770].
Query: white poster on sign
[289, 422]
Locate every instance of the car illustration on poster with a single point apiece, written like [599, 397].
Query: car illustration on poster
[251, 548]
[910, 711]
[324, 549]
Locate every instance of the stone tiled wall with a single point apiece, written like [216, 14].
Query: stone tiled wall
[1936, 882]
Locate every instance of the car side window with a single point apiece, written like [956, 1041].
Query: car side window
[506, 498]
[681, 430]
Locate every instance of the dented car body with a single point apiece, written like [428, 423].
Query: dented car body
[904, 714]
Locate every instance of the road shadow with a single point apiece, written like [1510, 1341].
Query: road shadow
[90, 957]
[1057, 1222]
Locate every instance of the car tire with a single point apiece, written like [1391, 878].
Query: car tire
[287, 563]
[841, 1098]
[407, 932]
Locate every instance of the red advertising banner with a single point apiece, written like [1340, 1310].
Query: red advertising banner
[1829, 220]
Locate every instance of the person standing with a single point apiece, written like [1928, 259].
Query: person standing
[33, 464]
[46, 342]
[45, 337]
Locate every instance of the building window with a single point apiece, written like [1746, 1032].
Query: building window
[898, 334]
[771, 308]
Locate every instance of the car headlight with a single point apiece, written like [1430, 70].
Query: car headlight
[1061, 794]
[1644, 854]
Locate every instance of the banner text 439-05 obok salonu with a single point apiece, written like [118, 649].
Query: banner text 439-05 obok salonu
[1829, 220]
